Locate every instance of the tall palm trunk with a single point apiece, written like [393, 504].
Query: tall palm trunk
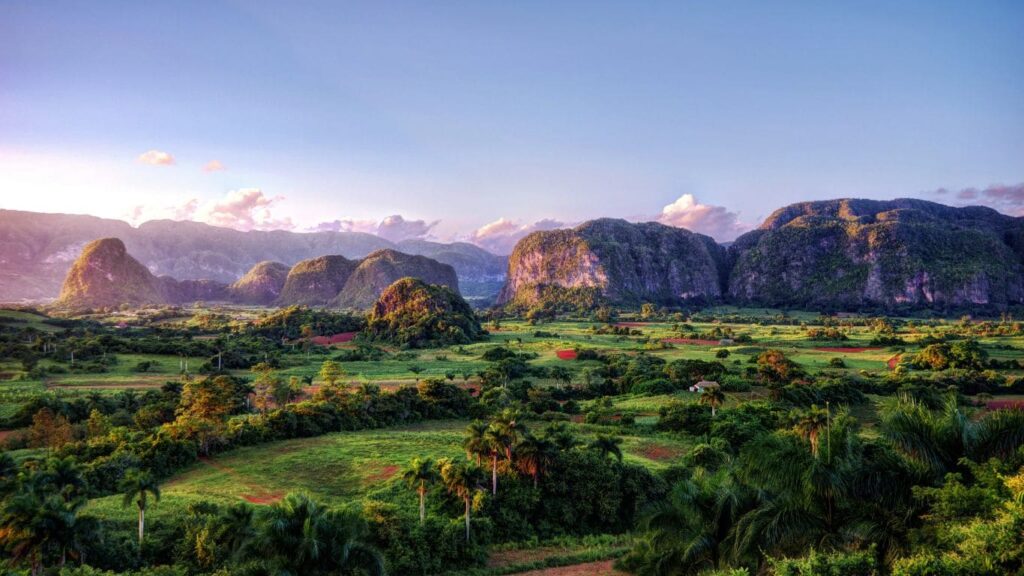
[423, 507]
[142, 523]
[494, 473]
[467, 519]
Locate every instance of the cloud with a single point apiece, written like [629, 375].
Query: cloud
[213, 166]
[1006, 199]
[715, 221]
[244, 209]
[501, 235]
[156, 158]
[396, 228]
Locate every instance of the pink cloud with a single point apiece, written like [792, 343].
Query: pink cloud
[395, 228]
[1008, 199]
[156, 158]
[214, 166]
[244, 209]
[501, 235]
[715, 221]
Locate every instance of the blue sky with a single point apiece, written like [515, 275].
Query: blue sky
[468, 113]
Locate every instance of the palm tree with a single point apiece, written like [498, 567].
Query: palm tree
[712, 396]
[475, 444]
[8, 472]
[461, 479]
[509, 426]
[605, 445]
[559, 434]
[809, 424]
[534, 455]
[237, 525]
[939, 439]
[495, 442]
[299, 536]
[137, 485]
[63, 475]
[420, 474]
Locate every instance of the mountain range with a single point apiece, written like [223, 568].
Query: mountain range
[833, 254]
[37, 250]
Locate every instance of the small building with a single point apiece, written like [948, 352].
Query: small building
[726, 342]
[703, 385]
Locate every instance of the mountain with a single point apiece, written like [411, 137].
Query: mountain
[616, 261]
[905, 252]
[37, 250]
[480, 273]
[382, 268]
[261, 285]
[105, 275]
[416, 314]
[317, 281]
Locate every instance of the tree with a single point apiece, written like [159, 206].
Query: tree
[809, 424]
[607, 445]
[266, 384]
[713, 397]
[49, 430]
[203, 408]
[420, 474]
[331, 372]
[35, 526]
[775, 368]
[534, 455]
[137, 486]
[461, 479]
[495, 442]
[561, 374]
[300, 536]
[475, 442]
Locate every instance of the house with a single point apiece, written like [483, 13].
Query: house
[704, 385]
[726, 342]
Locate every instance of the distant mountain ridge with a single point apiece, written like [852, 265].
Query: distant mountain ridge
[38, 249]
[105, 275]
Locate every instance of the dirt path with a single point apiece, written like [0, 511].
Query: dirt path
[602, 568]
[257, 495]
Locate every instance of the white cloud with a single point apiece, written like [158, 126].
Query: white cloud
[715, 221]
[244, 209]
[395, 228]
[156, 158]
[214, 166]
[501, 235]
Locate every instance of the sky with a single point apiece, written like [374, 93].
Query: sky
[482, 121]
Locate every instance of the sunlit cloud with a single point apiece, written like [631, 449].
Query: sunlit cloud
[715, 221]
[501, 235]
[244, 209]
[213, 166]
[394, 228]
[1006, 199]
[156, 158]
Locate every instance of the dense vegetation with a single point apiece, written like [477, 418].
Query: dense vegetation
[227, 441]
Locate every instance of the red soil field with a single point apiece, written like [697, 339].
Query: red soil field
[565, 354]
[841, 349]
[382, 474]
[894, 361]
[339, 338]
[602, 568]
[1005, 405]
[657, 452]
[694, 341]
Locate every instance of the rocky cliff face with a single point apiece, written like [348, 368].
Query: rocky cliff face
[37, 250]
[848, 253]
[621, 262]
[383, 268]
[261, 285]
[315, 282]
[105, 275]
